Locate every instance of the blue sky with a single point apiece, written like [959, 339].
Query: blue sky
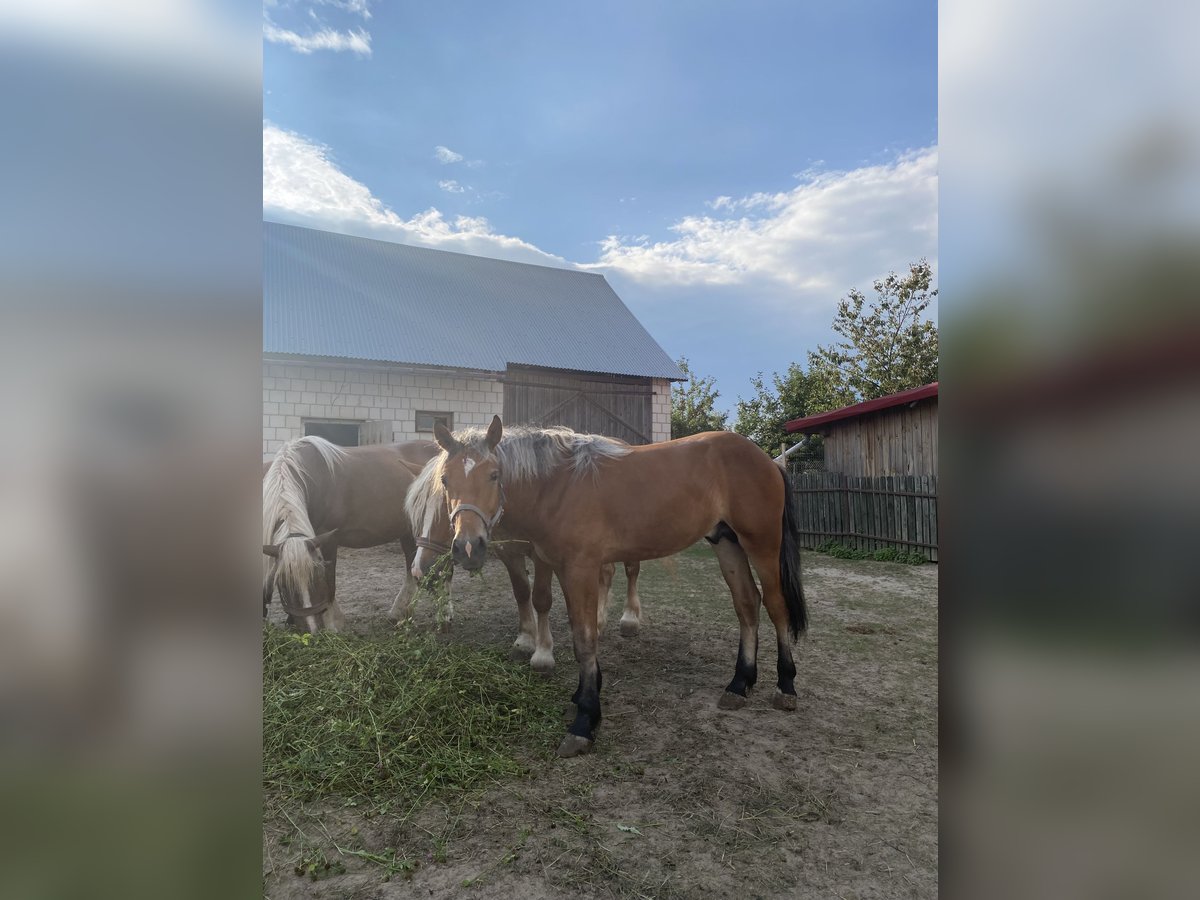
[733, 169]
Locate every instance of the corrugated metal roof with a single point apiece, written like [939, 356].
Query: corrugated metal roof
[912, 395]
[333, 295]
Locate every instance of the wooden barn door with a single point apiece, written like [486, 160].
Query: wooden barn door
[614, 405]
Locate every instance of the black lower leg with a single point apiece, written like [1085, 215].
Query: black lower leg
[787, 669]
[744, 674]
[587, 702]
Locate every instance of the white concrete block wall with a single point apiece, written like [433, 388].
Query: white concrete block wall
[660, 410]
[295, 392]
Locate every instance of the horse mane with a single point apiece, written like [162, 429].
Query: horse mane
[425, 491]
[285, 506]
[525, 453]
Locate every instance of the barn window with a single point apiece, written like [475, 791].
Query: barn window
[344, 434]
[426, 420]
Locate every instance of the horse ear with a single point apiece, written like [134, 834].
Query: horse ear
[271, 550]
[445, 439]
[495, 432]
[321, 540]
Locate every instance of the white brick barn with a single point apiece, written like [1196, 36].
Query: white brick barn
[367, 341]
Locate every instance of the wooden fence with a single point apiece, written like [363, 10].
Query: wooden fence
[868, 512]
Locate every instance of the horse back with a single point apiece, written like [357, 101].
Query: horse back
[364, 497]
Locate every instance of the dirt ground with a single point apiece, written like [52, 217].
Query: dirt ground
[679, 799]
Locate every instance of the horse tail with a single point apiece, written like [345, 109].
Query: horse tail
[789, 560]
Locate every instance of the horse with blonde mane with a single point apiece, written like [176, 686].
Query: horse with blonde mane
[426, 504]
[318, 497]
[584, 503]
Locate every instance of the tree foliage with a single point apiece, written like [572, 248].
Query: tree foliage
[693, 405]
[888, 345]
[762, 417]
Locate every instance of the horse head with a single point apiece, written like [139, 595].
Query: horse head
[298, 571]
[474, 492]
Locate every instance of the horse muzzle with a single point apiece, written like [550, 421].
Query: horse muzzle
[470, 553]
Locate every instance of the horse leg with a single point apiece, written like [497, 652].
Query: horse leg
[514, 562]
[543, 596]
[335, 619]
[735, 568]
[582, 590]
[402, 606]
[607, 571]
[631, 618]
[766, 563]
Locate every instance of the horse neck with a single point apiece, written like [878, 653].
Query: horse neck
[522, 501]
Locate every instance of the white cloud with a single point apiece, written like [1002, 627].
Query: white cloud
[833, 231]
[302, 185]
[357, 41]
[445, 155]
[358, 7]
[451, 186]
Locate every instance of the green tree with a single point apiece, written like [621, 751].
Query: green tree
[693, 405]
[792, 395]
[888, 345]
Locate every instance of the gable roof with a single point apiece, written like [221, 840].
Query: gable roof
[912, 395]
[334, 295]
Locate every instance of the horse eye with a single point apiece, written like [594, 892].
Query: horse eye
[495, 476]
[444, 484]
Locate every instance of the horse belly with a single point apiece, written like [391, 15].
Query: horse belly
[653, 534]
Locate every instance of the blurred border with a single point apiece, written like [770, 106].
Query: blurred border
[131, 293]
[1069, 255]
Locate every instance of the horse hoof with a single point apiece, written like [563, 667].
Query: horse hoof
[574, 745]
[630, 627]
[444, 627]
[730, 700]
[542, 663]
[783, 701]
[524, 643]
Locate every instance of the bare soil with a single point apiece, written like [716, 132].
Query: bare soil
[679, 799]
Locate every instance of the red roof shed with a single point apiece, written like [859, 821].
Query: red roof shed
[892, 435]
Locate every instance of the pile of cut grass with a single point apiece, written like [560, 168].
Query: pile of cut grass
[393, 722]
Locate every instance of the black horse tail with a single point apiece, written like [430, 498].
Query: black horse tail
[789, 560]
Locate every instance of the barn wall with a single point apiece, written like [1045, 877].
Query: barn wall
[897, 441]
[661, 409]
[294, 392]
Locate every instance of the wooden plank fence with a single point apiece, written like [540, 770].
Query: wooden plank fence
[868, 512]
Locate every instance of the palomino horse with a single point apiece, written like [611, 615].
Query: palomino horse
[318, 497]
[583, 504]
[426, 504]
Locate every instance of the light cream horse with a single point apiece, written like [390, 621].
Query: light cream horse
[318, 497]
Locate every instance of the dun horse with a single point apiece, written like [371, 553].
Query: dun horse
[426, 505]
[318, 497]
[583, 503]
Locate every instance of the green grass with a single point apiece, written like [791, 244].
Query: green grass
[885, 554]
[394, 722]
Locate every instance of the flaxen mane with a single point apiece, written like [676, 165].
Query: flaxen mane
[285, 506]
[525, 453]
